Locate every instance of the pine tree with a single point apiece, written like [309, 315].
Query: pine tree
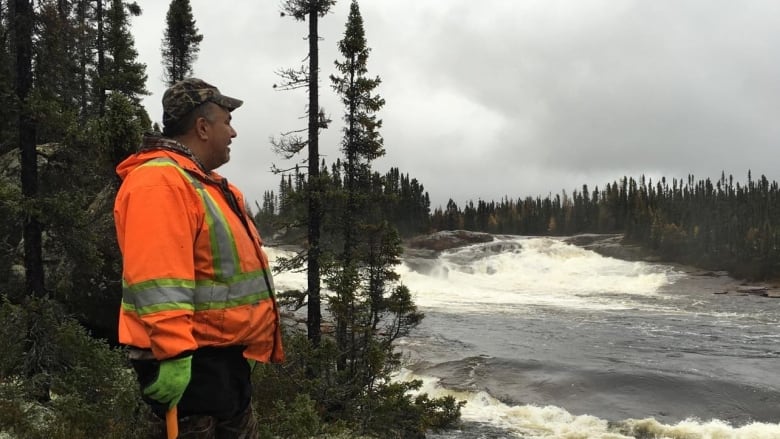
[181, 43]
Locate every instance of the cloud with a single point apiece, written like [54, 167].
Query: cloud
[499, 97]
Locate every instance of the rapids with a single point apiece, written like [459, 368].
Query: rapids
[544, 339]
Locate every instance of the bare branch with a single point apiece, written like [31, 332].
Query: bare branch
[292, 79]
[288, 145]
[277, 170]
[288, 133]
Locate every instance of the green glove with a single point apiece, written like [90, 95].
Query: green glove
[172, 380]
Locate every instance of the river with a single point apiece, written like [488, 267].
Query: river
[544, 339]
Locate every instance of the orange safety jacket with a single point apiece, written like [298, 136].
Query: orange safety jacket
[194, 271]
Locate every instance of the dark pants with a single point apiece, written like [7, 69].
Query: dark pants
[243, 426]
[216, 403]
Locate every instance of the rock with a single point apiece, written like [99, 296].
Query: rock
[611, 245]
[445, 240]
[758, 290]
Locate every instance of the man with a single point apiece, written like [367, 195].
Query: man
[198, 307]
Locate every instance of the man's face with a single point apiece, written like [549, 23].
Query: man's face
[221, 134]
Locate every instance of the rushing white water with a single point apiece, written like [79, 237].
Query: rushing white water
[539, 271]
[464, 289]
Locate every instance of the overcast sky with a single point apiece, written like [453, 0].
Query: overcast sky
[494, 98]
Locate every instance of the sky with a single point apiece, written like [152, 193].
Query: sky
[506, 98]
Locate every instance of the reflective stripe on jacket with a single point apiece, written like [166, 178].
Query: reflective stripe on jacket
[194, 271]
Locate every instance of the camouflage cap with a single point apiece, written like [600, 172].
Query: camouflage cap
[183, 96]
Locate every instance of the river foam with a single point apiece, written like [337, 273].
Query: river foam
[546, 422]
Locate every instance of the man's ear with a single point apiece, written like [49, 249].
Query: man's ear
[202, 128]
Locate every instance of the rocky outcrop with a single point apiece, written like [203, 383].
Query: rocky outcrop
[448, 239]
[612, 245]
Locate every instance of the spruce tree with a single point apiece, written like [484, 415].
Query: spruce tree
[370, 306]
[312, 10]
[123, 73]
[181, 43]
[56, 70]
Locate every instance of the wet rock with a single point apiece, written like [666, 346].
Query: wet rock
[428, 245]
[613, 246]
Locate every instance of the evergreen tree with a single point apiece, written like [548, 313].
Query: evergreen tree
[181, 43]
[312, 10]
[64, 215]
[122, 71]
[56, 71]
[117, 68]
[23, 18]
[7, 92]
[370, 307]
[361, 145]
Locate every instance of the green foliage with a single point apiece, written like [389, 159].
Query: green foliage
[56, 381]
[296, 419]
[122, 72]
[300, 9]
[118, 133]
[402, 415]
[181, 43]
[84, 265]
[8, 114]
[346, 377]
[312, 398]
[10, 233]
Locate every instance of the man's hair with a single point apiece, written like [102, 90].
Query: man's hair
[205, 110]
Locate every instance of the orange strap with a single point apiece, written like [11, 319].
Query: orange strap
[172, 423]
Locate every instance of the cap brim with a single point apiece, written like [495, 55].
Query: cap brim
[227, 102]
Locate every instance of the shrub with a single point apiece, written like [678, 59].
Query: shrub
[58, 382]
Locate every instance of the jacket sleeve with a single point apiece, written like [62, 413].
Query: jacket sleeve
[158, 220]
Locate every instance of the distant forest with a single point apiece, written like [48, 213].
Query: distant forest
[720, 225]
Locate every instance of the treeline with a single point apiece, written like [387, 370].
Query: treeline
[400, 199]
[720, 225]
[717, 225]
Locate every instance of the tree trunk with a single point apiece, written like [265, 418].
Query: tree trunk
[101, 56]
[23, 39]
[314, 192]
[83, 59]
